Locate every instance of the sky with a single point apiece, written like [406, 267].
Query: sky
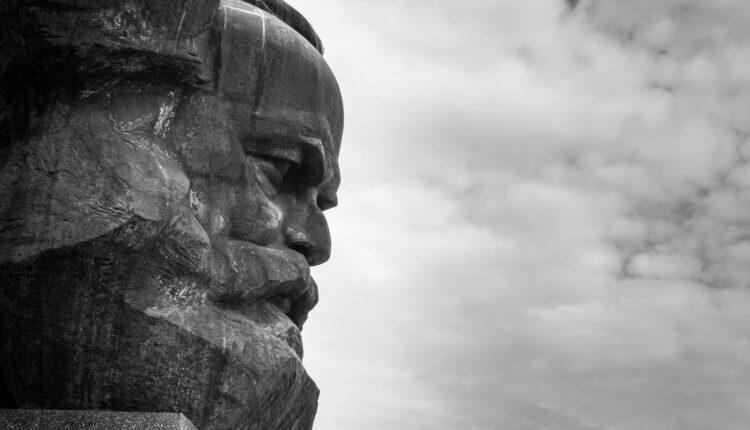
[544, 219]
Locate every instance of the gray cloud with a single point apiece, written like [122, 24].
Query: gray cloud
[543, 219]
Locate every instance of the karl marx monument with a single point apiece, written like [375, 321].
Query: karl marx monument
[164, 168]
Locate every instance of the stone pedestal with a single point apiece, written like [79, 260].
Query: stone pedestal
[32, 419]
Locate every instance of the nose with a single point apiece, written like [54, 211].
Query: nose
[306, 231]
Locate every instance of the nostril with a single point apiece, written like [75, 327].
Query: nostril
[303, 248]
[297, 241]
[313, 252]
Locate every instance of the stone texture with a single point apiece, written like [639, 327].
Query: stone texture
[30, 419]
[163, 171]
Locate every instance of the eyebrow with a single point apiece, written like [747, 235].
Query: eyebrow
[274, 148]
[297, 125]
[309, 151]
[294, 139]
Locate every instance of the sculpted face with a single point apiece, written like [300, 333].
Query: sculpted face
[261, 156]
[157, 238]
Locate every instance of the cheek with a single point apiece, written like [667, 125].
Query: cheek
[255, 218]
[235, 210]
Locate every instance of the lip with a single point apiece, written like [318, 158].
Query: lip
[302, 305]
[298, 308]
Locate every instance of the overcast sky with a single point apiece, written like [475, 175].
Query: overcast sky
[544, 216]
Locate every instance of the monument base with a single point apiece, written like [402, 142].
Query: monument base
[33, 419]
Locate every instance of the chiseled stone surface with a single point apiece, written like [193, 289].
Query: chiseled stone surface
[164, 167]
[30, 419]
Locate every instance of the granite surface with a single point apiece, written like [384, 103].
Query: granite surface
[164, 168]
[30, 419]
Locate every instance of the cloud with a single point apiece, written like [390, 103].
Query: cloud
[543, 216]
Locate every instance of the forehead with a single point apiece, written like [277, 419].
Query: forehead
[277, 85]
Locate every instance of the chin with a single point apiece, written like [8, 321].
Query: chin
[239, 368]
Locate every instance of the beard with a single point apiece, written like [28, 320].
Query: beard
[155, 316]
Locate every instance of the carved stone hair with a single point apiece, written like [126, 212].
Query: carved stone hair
[57, 48]
[291, 17]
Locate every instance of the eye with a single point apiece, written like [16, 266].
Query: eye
[275, 168]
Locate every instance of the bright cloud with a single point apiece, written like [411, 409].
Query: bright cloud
[544, 216]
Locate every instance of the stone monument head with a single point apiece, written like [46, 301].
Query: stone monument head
[164, 168]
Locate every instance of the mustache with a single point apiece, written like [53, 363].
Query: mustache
[231, 273]
[243, 273]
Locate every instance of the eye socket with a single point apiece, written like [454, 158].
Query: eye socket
[275, 168]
